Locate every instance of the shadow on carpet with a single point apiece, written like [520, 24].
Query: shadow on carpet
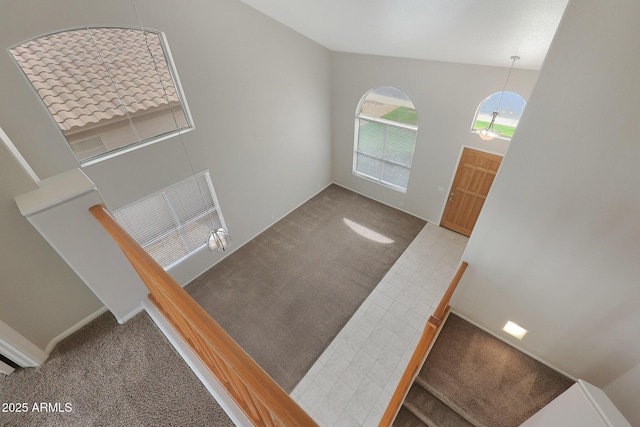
[287, 293]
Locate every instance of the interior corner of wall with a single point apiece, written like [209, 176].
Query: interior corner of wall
[19, 349]
[74, 328]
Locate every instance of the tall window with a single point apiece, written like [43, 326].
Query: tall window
[107, 89]
[175, 222]
[385, 137]
[509, 110]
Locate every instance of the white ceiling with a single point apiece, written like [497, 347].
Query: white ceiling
[486, 32]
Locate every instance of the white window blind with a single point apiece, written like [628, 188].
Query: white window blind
[385, 152]
[175, 222]
[386, 131]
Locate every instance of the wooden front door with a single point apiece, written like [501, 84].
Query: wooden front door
[475, 174]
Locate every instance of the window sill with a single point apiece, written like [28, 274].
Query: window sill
[133, 147]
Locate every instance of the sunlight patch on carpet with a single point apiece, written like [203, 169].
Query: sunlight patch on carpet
[367, 232]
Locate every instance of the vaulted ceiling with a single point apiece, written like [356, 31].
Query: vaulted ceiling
[486, 32]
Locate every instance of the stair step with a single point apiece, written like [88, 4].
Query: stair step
[488, 382]
[406, 418]
[431, 410]
[451, 404]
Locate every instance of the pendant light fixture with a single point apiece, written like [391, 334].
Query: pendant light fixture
[488, 133]
[218, 239]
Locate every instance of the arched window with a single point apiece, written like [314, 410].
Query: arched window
[385, 137]
[498, 115]
[107, 89]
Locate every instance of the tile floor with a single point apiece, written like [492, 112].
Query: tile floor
[353, 380]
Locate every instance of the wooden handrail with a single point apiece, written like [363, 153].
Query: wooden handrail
[420, 354]
[443, 307]
[261, 399]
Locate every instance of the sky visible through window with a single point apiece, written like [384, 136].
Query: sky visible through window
[509, 112]
[389, 103]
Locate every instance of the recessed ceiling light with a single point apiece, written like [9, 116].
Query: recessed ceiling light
[515, 330]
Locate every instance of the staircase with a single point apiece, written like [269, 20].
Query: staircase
[470, 378]
[423, 408]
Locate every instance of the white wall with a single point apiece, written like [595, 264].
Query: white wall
[557, 245]
[259, 96]
[445, 95]
[40, 296]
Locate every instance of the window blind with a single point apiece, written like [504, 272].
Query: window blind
[174, 222]
[384, 152]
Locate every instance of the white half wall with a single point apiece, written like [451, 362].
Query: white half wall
[557, 245]
[40, 295]
[59, 210]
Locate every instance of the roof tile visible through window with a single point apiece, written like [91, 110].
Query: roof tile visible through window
[77, 99]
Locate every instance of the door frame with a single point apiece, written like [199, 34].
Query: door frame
[455, 170]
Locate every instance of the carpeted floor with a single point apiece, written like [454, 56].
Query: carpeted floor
[490, 382]
[111, 375]
[287, 293]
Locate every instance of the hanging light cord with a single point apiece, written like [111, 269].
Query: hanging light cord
[173, 114]
[113, 83]
[514, 59]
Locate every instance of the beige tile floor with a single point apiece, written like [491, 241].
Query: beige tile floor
[353, 380]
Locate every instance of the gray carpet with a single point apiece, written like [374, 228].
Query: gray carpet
[487, 381]
[112, 375]
[287, 293]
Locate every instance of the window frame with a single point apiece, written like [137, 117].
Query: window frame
[178, 225]
[359, 116]
[171, 66]
[481, 104]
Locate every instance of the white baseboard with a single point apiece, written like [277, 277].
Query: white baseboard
[73, 329]
[531, 355]
[386, 204]
[204, 375]
[19, 349]
[131, 315]
[28, 355]
[5, 369]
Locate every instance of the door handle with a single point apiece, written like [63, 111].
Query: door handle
[451, 197]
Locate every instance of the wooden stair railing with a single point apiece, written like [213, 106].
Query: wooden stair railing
[419, 355]
[254, 391]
